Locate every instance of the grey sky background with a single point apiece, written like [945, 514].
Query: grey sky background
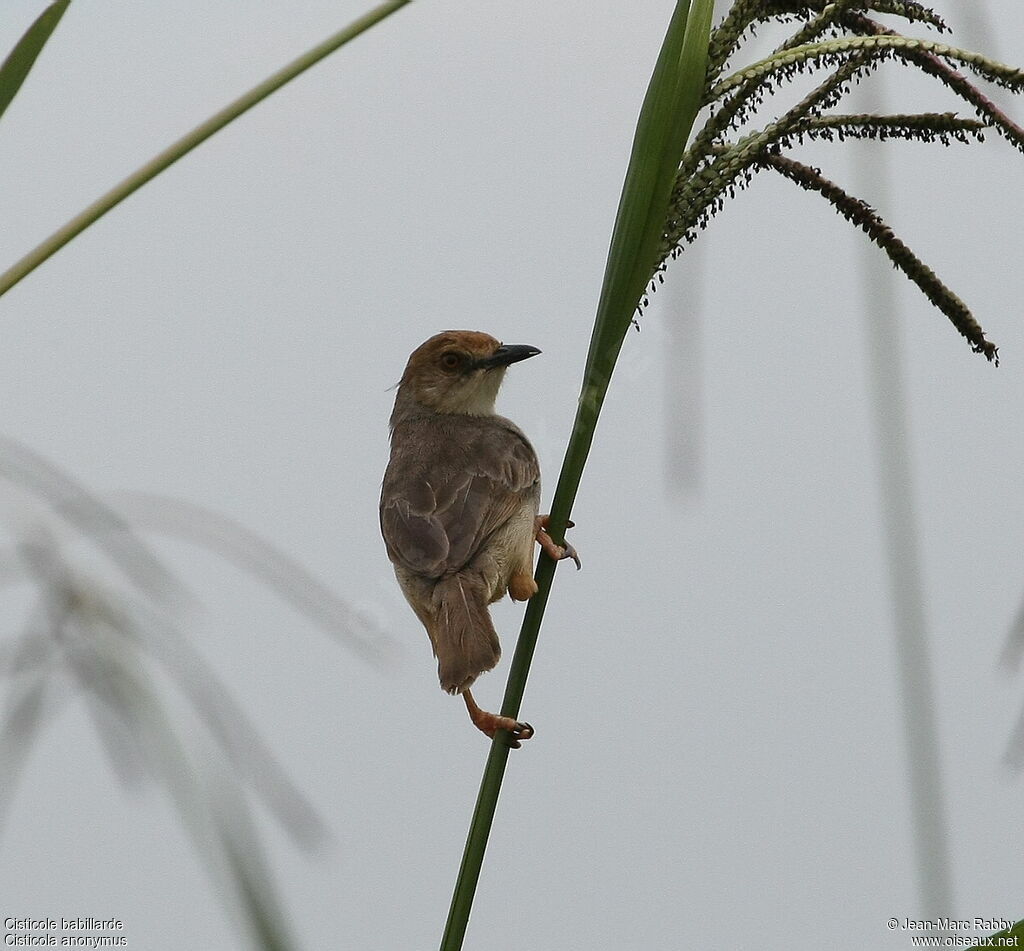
[718, 757]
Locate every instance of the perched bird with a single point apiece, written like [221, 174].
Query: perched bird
[458, 508]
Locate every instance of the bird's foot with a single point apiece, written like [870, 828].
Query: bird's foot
[555, 552]
[490, 723]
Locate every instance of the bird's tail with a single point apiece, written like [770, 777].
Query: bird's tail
[465, 642]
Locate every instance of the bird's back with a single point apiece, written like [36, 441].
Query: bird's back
[457, 512]
[451, 482]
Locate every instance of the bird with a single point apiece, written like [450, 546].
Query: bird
[459, 507]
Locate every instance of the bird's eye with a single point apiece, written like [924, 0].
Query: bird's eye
[451, 361]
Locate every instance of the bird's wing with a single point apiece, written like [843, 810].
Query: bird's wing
[439, 506]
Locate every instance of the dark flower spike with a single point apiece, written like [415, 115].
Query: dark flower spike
[833, 52]
[861, 214]
[827, 20]
[699, 191]
[924, 126]
[727, 37]
[742, 18]
[732, 113]
[956, 82]
[713, 169]
[907, 9]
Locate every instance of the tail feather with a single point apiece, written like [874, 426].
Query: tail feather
[465, 642]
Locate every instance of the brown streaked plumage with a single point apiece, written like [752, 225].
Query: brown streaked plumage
[458, 508]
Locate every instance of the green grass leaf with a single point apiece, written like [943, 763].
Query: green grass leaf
[165, 159]
[19, 61]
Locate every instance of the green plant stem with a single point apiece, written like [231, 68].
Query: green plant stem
[188, 142]
[670, 106]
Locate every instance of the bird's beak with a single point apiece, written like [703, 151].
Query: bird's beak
[507, 354]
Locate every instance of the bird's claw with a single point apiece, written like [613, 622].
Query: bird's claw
[521, 731]
[569, 552]
[554, 551]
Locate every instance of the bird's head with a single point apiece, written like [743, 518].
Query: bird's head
[459, 371]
